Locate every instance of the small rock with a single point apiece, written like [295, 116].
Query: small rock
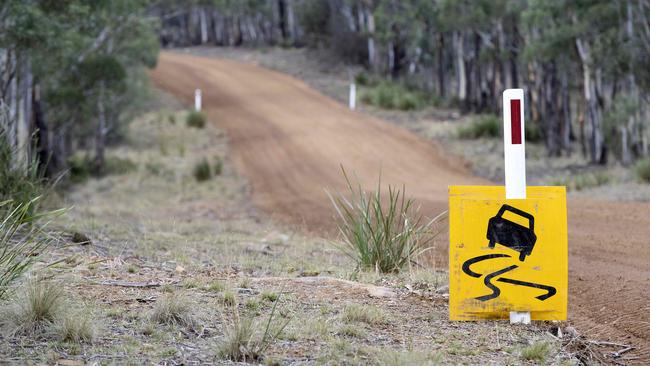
[376, 291]
[442, 290]
[180, 269]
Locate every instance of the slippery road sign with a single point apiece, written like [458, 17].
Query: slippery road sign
[507, 255]
[508, 251]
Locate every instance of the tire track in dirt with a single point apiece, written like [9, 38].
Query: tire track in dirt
[289, 142]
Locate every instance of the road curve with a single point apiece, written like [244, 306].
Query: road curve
[289, 141]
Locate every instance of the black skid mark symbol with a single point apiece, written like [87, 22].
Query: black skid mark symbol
[480, 258]
[488, 282]
[550, 290]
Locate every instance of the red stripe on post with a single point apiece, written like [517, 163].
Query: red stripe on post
[515, 121]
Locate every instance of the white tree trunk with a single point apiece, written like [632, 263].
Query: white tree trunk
[459, 45]
[372, 57]
[203, 20]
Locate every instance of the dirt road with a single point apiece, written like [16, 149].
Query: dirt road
[289, 141]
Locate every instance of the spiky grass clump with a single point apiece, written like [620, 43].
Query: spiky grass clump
[202, 171]
[381, 233]
[21, 241]
[173, 309]
[247, 340]
[35, 309]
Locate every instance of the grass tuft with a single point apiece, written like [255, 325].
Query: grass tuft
[247, 340]
[384, 235]
[35, 309]
[537, 352]
[173, 309]
[75, 327]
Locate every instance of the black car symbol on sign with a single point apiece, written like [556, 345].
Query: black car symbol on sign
[510, 234]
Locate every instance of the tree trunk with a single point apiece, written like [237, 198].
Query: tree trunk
[596, 140]
[370, 19]
[460, 67]
[441, 65]
[100, 137]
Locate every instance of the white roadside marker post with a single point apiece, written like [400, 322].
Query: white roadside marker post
[197, 100]
[514, 149]
[353, 96]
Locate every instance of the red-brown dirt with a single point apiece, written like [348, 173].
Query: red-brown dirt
[289, 141]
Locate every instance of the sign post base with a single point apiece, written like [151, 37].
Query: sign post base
[520, 317]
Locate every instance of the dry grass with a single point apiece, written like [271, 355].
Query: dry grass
[197, 240]
[34, 309]
[173, 309]
[364, 313]
[76, 327]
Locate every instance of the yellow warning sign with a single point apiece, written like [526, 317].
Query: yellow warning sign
[507, 255]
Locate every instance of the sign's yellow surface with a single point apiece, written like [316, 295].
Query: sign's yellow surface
[507, 255]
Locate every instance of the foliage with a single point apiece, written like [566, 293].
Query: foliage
[18, 184]
[482, 126]
[75, 327]
[21, 240]
[642, 170]
[379, 232]
[393, 96]
[195, 119]
[247, 340]
[202, 171]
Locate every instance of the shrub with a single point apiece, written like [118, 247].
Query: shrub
[202, 171]
[393, 96]
[247, 340]
[362, 79]
[377, 234]
[195, 119]
[114, 165]
[533, 132]
[642, 170]
[81, 167]
[483, 126]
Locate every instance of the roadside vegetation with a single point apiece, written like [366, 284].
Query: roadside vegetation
[199, 278]
[381, 233]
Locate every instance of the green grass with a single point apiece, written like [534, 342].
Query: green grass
[195, 119]
[22, 240]
[390, 95]
[269, 296]
[202, 171]
[229, 299]
[581, 181]
[481, 126]
[538, 352]
[216, 286]
[642, 170]
[381, 233]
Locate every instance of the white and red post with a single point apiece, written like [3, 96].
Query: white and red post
[514, 143]
[514, 154]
